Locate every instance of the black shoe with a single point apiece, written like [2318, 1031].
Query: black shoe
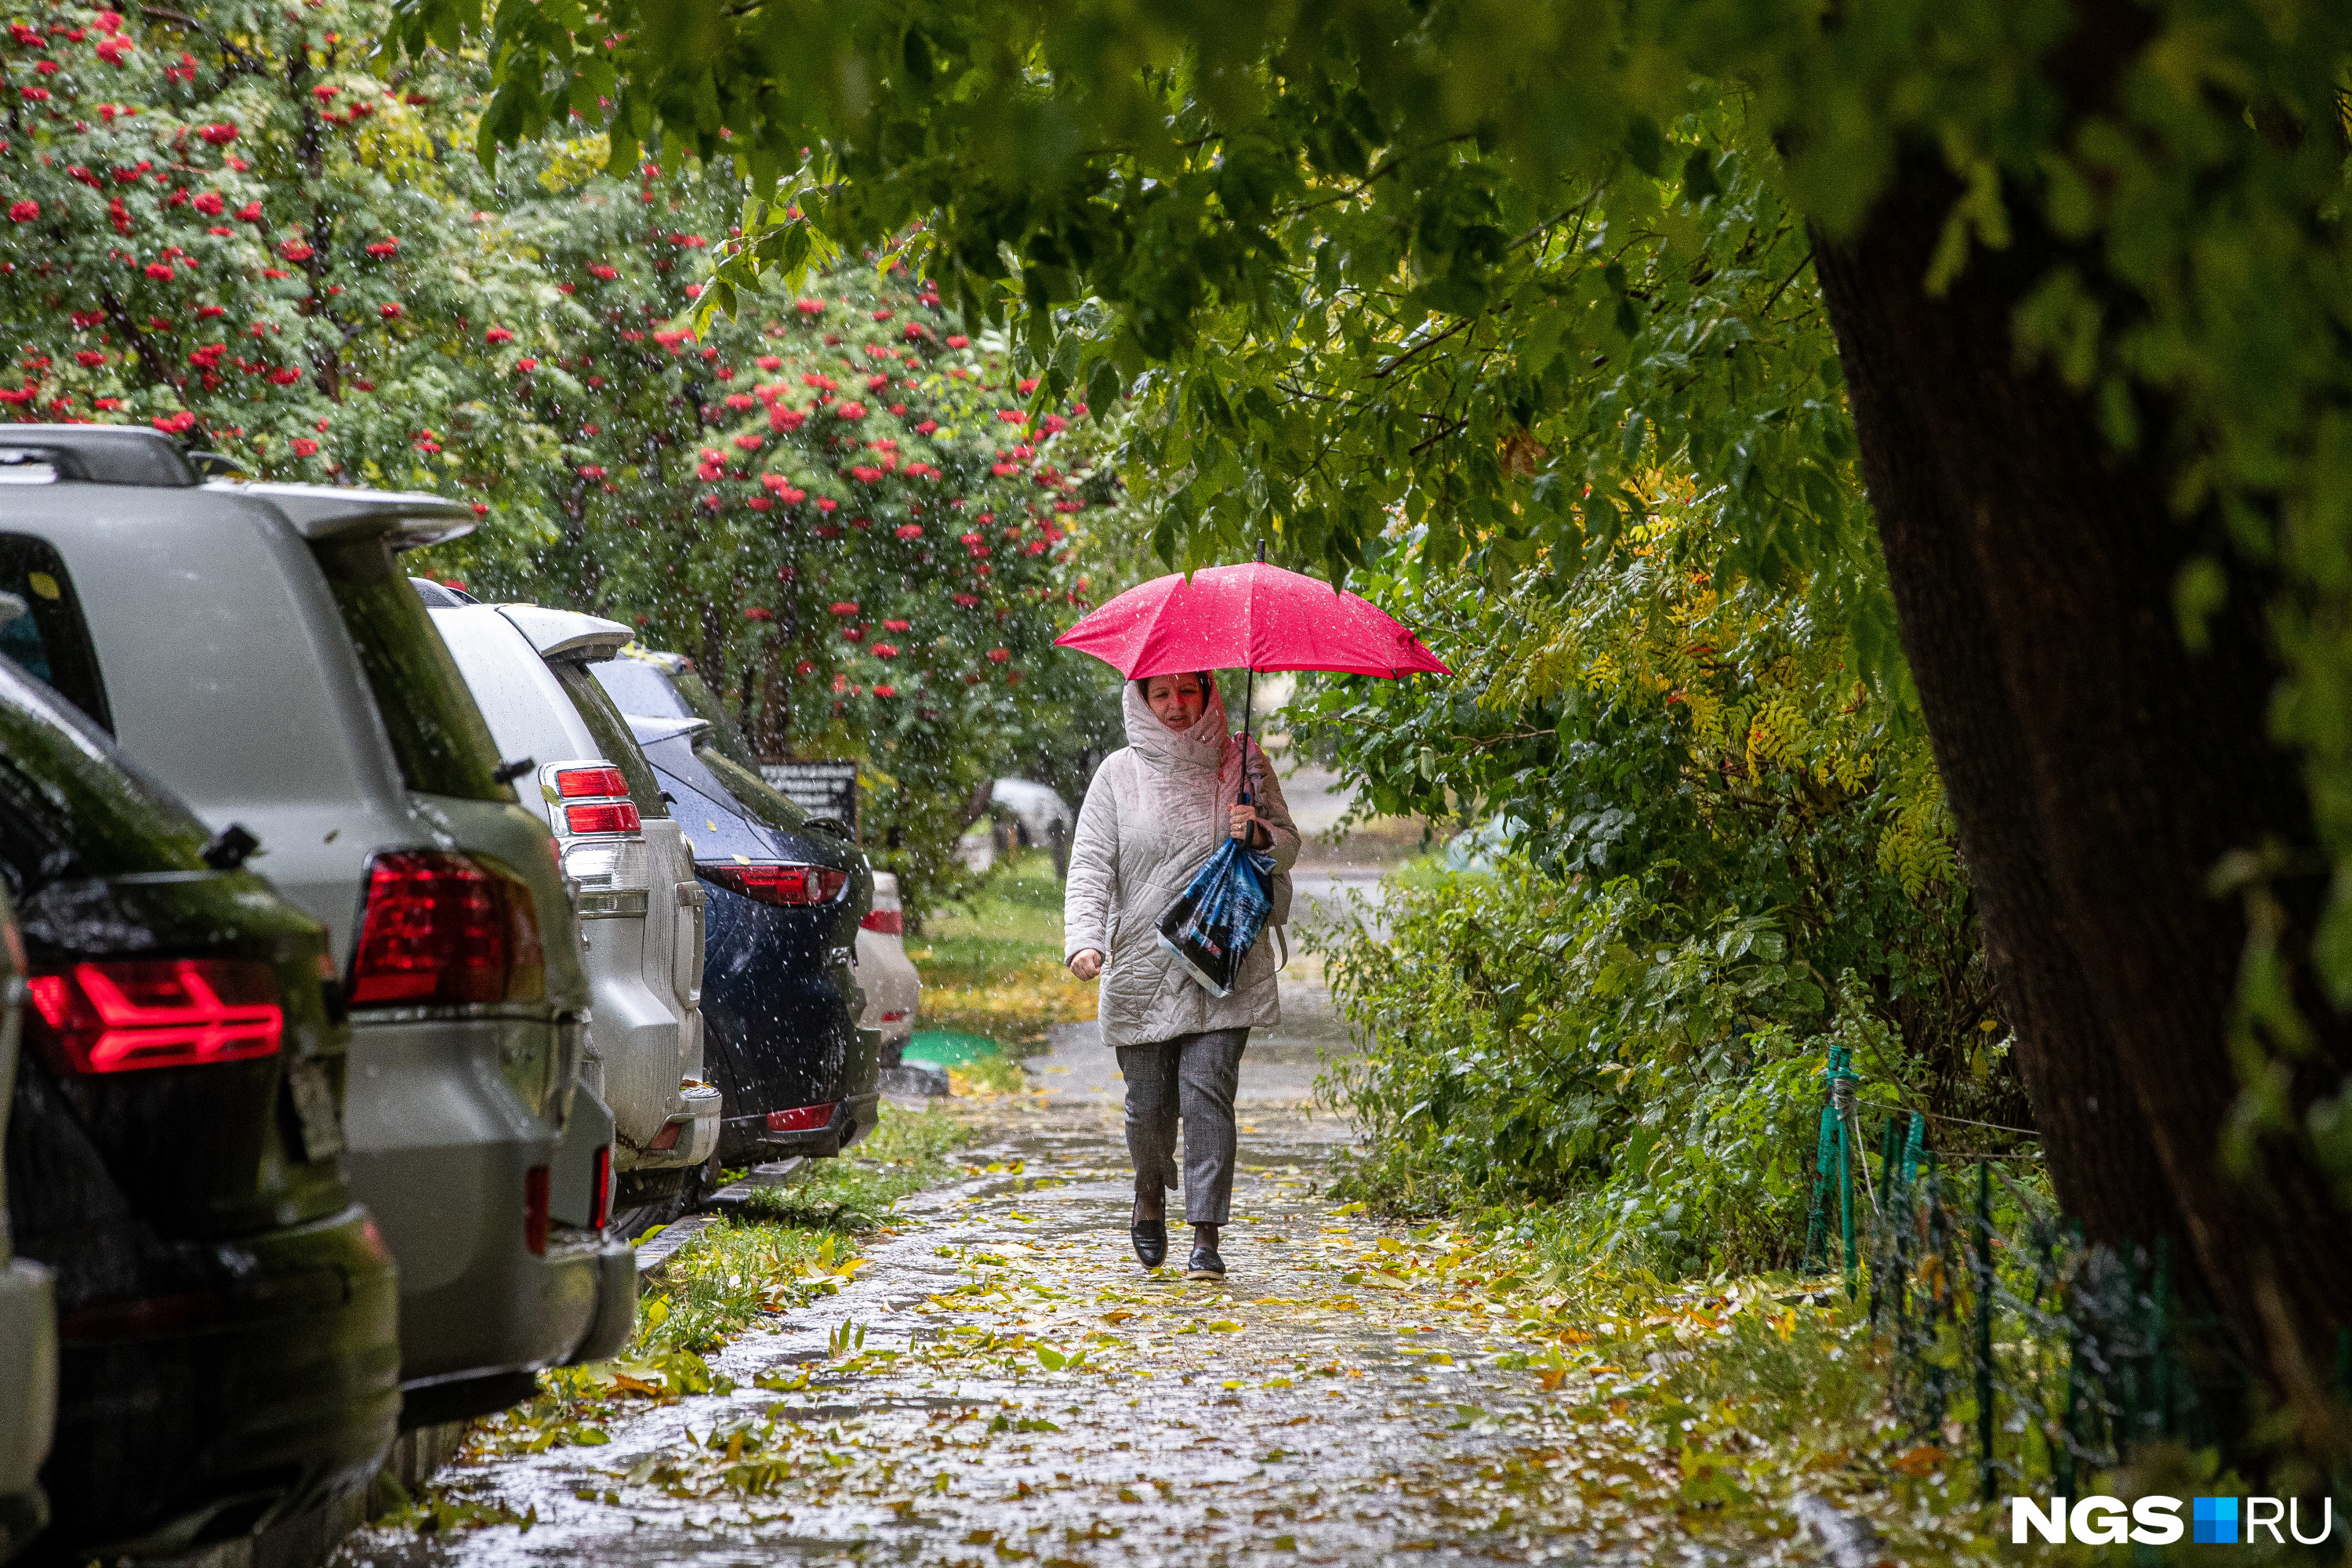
[1205, 1264]
[1151, 1241]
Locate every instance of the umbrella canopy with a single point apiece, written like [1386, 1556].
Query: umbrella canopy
[1253, 616]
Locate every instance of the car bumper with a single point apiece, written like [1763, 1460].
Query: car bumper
[196, 1416]
[697, 1122]
[534, 1315]
[28, 1398]
[616, 1303]
[441, 1147]
[853, 1119]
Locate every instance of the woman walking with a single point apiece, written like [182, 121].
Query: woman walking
[1156, 810]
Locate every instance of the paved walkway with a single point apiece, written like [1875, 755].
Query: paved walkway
[1003, 1383]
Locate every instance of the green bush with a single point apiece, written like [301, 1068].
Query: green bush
[1534, 1039]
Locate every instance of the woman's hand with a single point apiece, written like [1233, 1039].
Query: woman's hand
[1085, 965]
[1246, 826]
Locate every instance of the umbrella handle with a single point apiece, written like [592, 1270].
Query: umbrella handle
[1249, 701]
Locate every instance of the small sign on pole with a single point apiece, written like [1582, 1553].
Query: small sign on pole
[821, 789]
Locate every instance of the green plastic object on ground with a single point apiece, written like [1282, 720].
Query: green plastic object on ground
[948, 1048]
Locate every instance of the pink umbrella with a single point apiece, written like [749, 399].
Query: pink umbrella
[1253, 616]
[1258, 618]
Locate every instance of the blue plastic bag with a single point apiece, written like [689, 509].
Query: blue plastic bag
[1219, 916]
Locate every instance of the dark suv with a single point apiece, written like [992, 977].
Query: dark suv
[786, 894]
[28, 1324]
[228, 1318]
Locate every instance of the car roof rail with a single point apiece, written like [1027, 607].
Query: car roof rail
[98, 455]
[567, 633]
[323, 514]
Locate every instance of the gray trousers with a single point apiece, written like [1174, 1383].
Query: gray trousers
[1192, 1077]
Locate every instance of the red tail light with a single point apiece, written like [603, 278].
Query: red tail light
[778, 884]
[806, 1118]
[889, 922]
[666, 1139]
[600, 1206]
[130, 1015]
[443, 930]
[608, 816]
[534, 1209]
[574, 784]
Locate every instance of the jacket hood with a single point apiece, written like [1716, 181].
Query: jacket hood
[1201, 746]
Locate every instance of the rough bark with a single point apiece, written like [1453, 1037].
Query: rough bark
[771, 738]
[2096, 769]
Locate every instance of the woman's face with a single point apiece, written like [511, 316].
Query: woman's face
[1176, 700]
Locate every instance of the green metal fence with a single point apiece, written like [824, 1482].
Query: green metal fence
[2013, 1345]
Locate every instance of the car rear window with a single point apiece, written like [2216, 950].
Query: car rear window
[41, 626]
[437, 734]
[640, 688]
[612, 733]
[751, 791]
[723, 736]
[70, 806]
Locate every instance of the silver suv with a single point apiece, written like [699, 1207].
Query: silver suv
[254, 646]
[640, 903]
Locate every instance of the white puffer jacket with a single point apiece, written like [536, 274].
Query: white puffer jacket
[1155, 811]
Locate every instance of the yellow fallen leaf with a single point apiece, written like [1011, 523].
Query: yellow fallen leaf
[1920, 1461]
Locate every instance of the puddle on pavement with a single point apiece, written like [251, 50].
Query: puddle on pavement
[1284, 1416]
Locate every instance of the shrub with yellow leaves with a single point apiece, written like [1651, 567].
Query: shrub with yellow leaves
[1706, 852]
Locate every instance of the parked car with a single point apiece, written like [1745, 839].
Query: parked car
[894, 987]
[664, 685]
[781, 1001]
[28, 1329]
[640, 903]
[229, 1329]
[253, 646]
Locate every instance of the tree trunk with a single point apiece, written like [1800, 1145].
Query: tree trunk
[769, 737]
[2097, 770]
[713, 665]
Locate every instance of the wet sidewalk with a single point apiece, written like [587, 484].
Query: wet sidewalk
[1003, 1383]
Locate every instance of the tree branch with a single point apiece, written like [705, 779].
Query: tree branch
[1774, 298]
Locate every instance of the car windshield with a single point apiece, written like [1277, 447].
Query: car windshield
[73, 806]
[612, 731]
[437, 734]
